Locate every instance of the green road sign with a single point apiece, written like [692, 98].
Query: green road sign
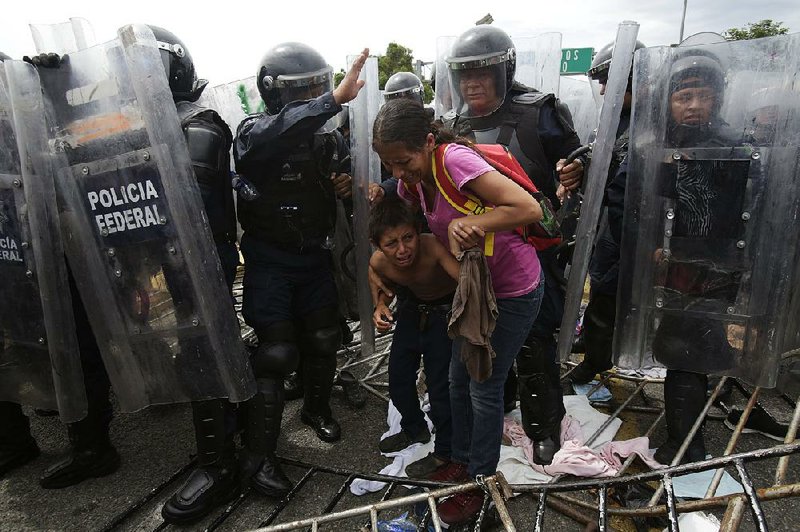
[576, 60]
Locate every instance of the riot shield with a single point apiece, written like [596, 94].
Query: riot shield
[136, 236]
[39, 357]
[366, 170]
[595, 180]
[576, 94]
[709, 265]
[443, 91]
[538, 61]
[63, 38]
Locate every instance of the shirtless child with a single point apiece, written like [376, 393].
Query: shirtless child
[423, 274]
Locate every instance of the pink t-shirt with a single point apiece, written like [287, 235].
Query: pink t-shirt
[514, 265]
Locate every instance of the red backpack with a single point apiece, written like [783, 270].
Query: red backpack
[541, 235]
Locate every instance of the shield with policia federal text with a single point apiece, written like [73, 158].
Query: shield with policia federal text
[136, 236]
[39, 358]
[709, 272]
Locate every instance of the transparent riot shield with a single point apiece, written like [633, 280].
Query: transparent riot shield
[135, 232]
[709, 265]
[576, 94]
[39, 357]
[63, 38]
[595, 180]
[443, 91]
[366, 170]
[538, 61]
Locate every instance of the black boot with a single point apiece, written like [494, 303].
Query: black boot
[684, 399]
[215, 481]
[598, 336]
[293, 386]
[91, 456]
[316, 412]
[17, 446]
[353, 393]
[541, 402]
[258, 461]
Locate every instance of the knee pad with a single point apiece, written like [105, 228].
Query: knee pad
[275, 359]
[323, 333]
[324, 342]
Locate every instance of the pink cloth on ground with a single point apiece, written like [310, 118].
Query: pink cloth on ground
[514, 265]
[577, 459]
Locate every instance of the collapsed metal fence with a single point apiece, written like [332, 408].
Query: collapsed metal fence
[584, 501]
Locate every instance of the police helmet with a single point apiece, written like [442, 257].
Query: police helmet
[178, 66]
[404, 85]
[601, 63]
[697, 64]
[482, 47]
[292, 71]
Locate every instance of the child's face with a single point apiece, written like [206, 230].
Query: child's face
[399, 245]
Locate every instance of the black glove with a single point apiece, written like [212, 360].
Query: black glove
[50, 60]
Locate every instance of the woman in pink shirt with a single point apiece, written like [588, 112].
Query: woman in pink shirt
[405, 138]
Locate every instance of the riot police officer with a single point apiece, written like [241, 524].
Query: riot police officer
[292, 156]
[600, 314]
[696, 84]
[209, 140]
[490, 107]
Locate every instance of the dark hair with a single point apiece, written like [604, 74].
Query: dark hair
[403, 120]
[389, 213]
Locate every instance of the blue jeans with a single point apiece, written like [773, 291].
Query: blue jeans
[409, 342]
[477, 408]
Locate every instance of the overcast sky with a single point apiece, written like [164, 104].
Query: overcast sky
[227, 39]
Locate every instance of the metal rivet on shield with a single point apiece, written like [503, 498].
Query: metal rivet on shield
[85, 170]
[730, 310]
[146, 156]
[41, 341]
[195, 322]
[676, 155]
[25, 245]
[118, 273]
[741, 244]
[756, 155]
[659, 302]
[172, 250]
[666, 253]
[668, 232]
[17, 183]
[28, 274]
[745, 216]
[162, 220]
[104, 231]
[111, 252]
[670, 214]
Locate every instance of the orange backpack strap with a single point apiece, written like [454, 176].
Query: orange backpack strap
[463, 202]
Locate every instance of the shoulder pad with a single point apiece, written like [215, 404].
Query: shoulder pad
[188, 110]
[531, 98]
[248, 123]
[208, 145]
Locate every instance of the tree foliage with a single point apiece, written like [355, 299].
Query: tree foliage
[756, 30]
[397, 58]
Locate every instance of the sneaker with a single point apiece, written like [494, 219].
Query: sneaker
[450, 472]
[397, 442]
[425, 466]
[461, 508]
[759, 421]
